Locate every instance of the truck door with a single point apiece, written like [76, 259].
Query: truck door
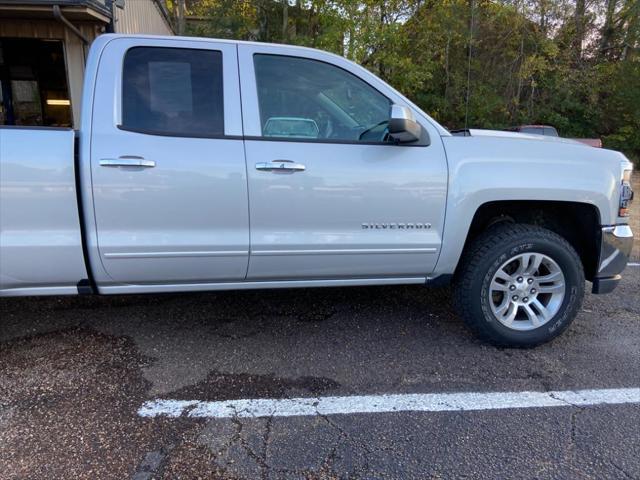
[167, 163]
[329, 197]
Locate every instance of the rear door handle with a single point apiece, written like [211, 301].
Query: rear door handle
[127, 161]
[280, 166]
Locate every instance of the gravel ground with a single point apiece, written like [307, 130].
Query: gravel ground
[74, 372]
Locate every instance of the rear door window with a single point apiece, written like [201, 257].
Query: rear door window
[173, 91]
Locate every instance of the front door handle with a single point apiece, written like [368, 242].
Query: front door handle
[280, 166]
[127, 161]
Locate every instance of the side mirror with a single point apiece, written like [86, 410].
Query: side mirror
[403, 127]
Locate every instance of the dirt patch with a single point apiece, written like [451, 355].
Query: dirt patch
[68, 403]
[230, 387]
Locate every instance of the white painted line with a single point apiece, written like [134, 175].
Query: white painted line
[429, 402]
[633, 264]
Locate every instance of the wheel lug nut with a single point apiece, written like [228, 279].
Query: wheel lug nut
[525, 299]
[530, 281]
[519, 279]
[515, 297]
[533, 290]
[512, 287]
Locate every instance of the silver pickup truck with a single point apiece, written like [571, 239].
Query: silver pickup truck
[210, 165]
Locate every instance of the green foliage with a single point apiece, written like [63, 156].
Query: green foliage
[573, 65]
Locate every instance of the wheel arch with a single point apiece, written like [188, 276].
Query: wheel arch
[577, 222]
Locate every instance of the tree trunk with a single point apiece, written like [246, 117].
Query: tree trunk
[543, 17]
[608, 29]
[263, 21]
[285, 20]
[446, 70]
[174, 13]
[516, 103]
[181, 19]
[632, 32]
[472, 10]
[383, 21]
[580, 27]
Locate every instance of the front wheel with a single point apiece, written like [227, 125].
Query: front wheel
[519, 285]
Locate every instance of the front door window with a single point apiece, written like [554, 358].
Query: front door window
[307, 99]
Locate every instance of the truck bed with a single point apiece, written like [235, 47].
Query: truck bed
[40, 237]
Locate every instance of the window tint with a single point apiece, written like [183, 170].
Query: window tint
[173, 91]
[308, 99]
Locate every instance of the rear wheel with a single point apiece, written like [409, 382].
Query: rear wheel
[519, 285]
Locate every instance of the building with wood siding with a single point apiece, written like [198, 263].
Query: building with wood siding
[43, 49]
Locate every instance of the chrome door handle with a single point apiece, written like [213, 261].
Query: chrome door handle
[280, 166]
[127, 161]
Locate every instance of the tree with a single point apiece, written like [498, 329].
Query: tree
[572, 64]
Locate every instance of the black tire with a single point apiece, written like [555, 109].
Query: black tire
[483, 258]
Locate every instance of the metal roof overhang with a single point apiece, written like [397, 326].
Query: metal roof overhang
[74, 10]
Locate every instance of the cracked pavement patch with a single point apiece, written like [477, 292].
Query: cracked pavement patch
[75, 371]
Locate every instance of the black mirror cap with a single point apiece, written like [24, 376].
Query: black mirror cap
[403, 127]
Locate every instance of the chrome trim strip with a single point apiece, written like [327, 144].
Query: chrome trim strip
[343, 251]
[215, 253]
[195, 287]
[622, 231]
[236, 253]
[39, 291]
[127, 162]
[615, 248]
[280, 166]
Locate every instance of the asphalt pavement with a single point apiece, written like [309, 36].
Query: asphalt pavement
[75, 372]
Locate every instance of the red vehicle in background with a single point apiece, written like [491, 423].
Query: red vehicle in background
[552, 132]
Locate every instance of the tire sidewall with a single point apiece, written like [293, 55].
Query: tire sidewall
[568, 262]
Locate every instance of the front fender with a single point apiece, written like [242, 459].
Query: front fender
[486, 170]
